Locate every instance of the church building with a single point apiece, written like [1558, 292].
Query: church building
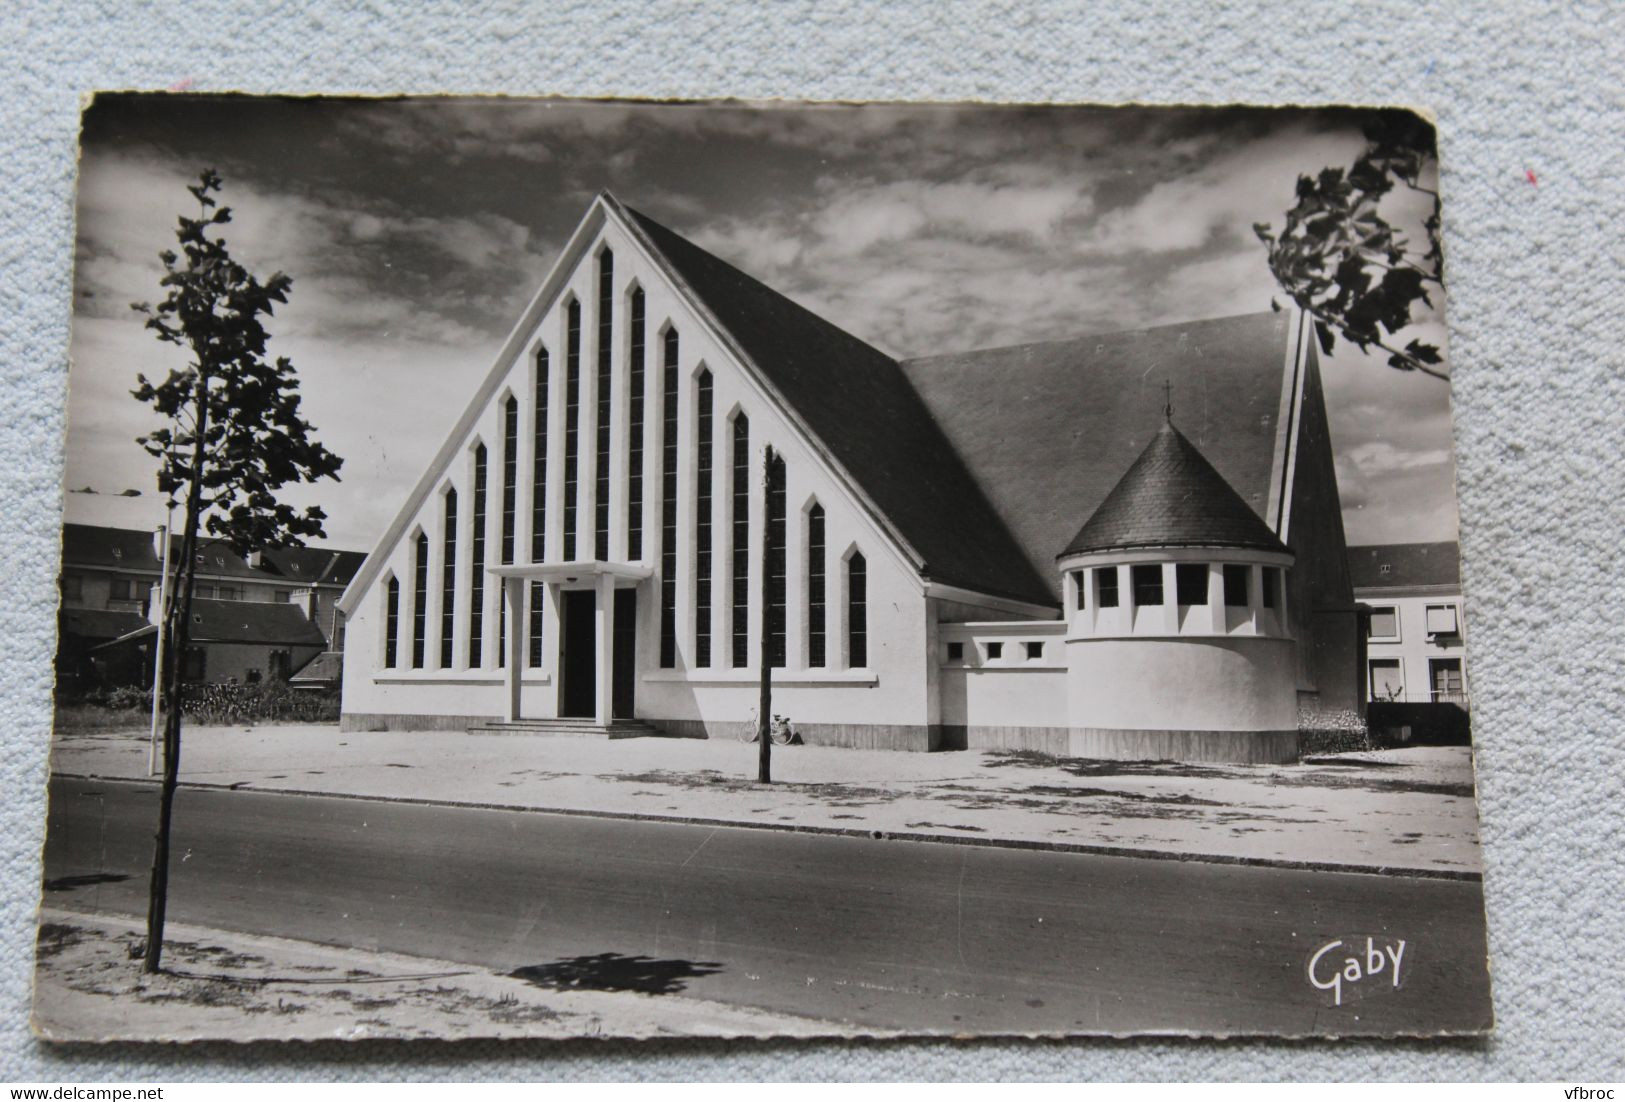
[1119, 546]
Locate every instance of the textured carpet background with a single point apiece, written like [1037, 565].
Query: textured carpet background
[1535, 314]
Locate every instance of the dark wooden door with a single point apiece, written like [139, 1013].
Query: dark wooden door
[626, 651]
[580, 666]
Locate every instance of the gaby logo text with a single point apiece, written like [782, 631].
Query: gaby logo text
[1340, 966]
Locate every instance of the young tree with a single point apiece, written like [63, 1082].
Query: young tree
[235, 436]
[1344, 263]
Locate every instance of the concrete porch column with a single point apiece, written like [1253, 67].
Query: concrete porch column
[604, 616]
[513, 604]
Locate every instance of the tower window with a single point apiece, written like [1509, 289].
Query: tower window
[857, 611]
[1272, 585]
[1235, 585]
[1106, 586]
[704, 477]
[1147, 579]
[1190, 579]
[572, 425]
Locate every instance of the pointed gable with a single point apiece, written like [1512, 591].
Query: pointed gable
[1173, 497]
[861, 408]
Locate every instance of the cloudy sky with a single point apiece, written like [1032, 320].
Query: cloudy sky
[416, 230]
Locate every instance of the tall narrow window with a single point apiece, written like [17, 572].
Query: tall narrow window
[476, 581]
[668, 504]
[857, 611]
[392, 621]
[740, 546]
[1106, 586]
[1235, 584]
[448, 583]
[705, 475]
[1147, 581]
[776, 596]
[606, 347]
[815, 586]
[538, 464]
[420, 599]
[536, 622]
[510, 473]
[572, 424]
[634, 444]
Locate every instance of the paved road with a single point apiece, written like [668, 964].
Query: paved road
[876, 933]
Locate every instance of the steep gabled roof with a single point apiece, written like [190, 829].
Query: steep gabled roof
[95, 545]
[859, 405]
[1406, 565]
[1048, 429]
[1173, 497]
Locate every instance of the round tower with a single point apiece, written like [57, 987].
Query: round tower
[1178, 643]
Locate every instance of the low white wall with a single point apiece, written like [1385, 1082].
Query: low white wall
[1193, 683]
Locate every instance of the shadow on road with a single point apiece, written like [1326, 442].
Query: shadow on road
[89, 880]
[615, 972]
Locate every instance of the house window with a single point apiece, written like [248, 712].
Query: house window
[634, 445]
[1272, 585]
[1147, 580]
[283, 596]
[476, 581]
[1384, 624]
[537, 620]
[448, 581]
[1442, 620]
[572, 424]
[1106, 587]
[1077, 584]
[392, 621]
[995, 651]
[538, 464]
[1444, 676]
[1387, 679]
[196, 665]
[420, 599]
[252, 675]
[1035, 651]
[668, 504]
[204, 591]
[956, 652]
[1190, 583]
[606, 330]
[857, 611]
[740, 553]
[776, 582]
[121, 589]
[230, 592]
[281, 665]
[510, 474]
[815, 587]
[705, 476]
[73, 586]
[1235, 585]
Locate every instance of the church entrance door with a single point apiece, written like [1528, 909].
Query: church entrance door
[579, 666]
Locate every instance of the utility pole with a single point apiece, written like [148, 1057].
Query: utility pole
[764, 706]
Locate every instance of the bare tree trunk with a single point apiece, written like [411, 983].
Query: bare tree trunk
[178, 617]
[764, 706]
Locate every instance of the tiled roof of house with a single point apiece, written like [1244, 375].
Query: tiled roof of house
[1173, 497]
[133, 549]
[1405, 565]
[1048, 429]
[859, 405]
[96, 624]
[252, 622]
[95, 545]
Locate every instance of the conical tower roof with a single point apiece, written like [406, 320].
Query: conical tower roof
[1173, 497]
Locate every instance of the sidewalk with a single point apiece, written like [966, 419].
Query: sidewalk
[246, 987]
[1397, 810]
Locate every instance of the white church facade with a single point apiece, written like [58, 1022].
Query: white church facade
[1014, 548]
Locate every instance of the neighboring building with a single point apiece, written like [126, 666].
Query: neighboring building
[109, 586]
[1415, 632]
[588, 541]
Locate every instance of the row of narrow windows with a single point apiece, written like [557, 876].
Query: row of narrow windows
[739, 550]
[1191, 585]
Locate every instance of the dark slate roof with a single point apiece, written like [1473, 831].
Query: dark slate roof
[1172, 497]
[268, 622]
[99, 624]
[1048, 429]
[1409, 565]
[326, 668]
[94, 545]
[859, 405]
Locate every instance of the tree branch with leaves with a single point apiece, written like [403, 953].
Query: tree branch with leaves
[1342, 261]
[235, 436]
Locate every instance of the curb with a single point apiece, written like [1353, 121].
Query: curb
[1459, 875]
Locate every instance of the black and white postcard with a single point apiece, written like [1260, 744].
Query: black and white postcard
[558, 568]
